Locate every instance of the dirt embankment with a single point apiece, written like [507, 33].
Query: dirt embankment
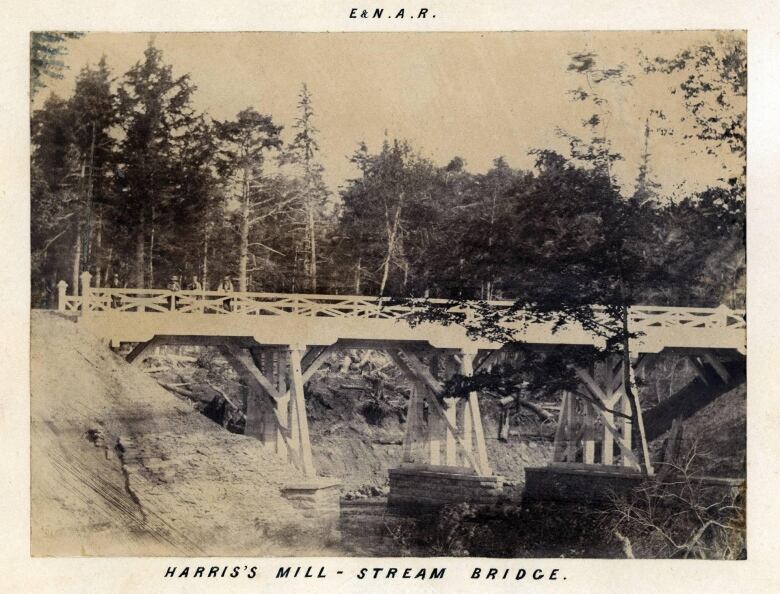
[357, 436]
[356, 408]
[714, 438]
[120, 466]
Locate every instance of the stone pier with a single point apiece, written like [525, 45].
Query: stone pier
[416, 488]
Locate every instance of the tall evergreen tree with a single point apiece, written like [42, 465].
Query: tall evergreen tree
[303, 152]
[595, 148]
[155, 110]
[244, 143]
[93, 107]
[56, 197]
[380, 206]
[646, 190]
[46, 47]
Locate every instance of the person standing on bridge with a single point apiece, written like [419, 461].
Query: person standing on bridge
[194, 284]
[173, 286]
[116, 300]
[227, 287]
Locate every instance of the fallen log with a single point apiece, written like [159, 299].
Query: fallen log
[180, 391]
[535, 408]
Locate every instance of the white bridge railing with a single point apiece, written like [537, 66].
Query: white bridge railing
[162, 301]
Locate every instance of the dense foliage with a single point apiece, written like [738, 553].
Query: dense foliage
[129, 179]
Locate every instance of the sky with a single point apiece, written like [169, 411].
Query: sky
[474, 95]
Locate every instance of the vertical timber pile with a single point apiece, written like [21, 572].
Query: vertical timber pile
[276, 409]
[591, 426]
[593, 452]
[276, 414]
[444, 452]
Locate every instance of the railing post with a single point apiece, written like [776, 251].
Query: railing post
[62, 287]
[86, 292]
[722, 317]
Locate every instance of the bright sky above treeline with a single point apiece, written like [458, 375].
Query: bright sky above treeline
[473, 95]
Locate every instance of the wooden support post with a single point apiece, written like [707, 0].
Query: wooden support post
[588, 444]
[255, 417]
[62, 288]
[718, 367]
[699, 369]
[86, 293]
[467, 369]
[413, 421]
[295, 352]
[256, 412]
[608, 445]
[569, 434]
[559, 445]
[644, 449]
[437, 420]
[625, 407]
[434, 434]
[283, 415]
[134, 357]
[450, 412]
[272, 432]
[281, 371]
[244, 365]
[465, 418]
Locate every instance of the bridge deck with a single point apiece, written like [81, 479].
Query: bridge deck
[137, 315]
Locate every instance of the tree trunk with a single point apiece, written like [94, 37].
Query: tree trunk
[205, 274]
[385, 272]
[140, 253]
[243, 254]
[88, 217]
[358, 273]
[107, 275]
[313, 250]
[489, 291]
[76, 260]
[100, 265]
[633, 400]
[392, 236]
[151, 253]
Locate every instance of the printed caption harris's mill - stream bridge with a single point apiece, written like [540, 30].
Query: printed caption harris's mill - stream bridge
[276, 342]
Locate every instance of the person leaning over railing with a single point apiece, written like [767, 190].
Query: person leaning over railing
[226, 286]
[194, 284]
[116, 300]
[173, 286]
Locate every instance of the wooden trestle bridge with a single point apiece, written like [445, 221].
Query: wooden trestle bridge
[277, 341]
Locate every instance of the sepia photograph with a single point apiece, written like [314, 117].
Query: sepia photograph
[401, 294]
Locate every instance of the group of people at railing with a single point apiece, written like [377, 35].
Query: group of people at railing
[174, 285]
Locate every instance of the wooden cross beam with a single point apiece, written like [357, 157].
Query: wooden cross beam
[414, 368]
[618, 438]
[604, 404]
[257, 381]
[138, 350]
[248, 363]
[718, 367]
